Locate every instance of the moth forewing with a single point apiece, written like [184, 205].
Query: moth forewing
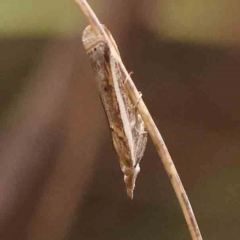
[126, 125]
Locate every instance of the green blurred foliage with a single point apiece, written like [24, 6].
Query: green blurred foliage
[214, 21]
[33, 17]
[197, 21]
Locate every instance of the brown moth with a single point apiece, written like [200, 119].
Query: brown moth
[127, 127]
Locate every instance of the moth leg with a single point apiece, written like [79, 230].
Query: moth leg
[127, 78]
[141, 133]
[139, 98]
[140, 147]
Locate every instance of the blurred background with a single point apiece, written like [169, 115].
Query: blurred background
[59, 175]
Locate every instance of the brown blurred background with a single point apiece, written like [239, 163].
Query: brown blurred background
[59, 175]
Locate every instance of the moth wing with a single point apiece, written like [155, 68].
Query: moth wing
[137, 133]
[123, 102]
[133, 127]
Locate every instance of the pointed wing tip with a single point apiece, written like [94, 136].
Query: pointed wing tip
[130, 175]
[130, 193]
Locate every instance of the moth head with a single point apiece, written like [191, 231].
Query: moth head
[90, 38]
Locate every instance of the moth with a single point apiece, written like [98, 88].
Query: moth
[127, 128]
